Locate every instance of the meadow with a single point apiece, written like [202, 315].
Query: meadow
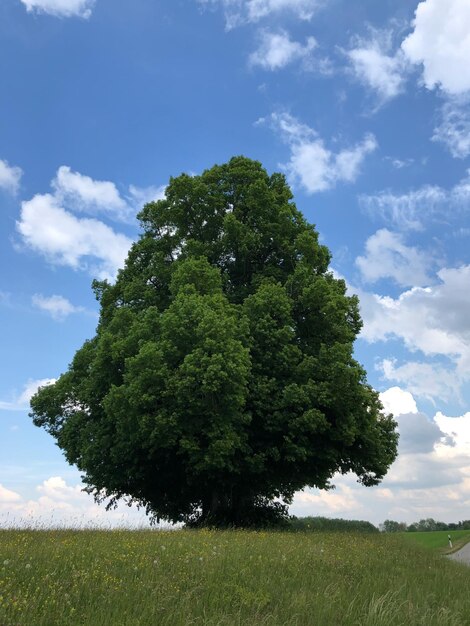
[438, 540]
[98, 578]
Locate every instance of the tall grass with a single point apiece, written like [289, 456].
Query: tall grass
[184, 577]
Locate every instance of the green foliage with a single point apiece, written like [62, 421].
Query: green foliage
[430, 525]
[424, 525]
[223, 578]
[221, 377]
[326, 524]
[391, 526]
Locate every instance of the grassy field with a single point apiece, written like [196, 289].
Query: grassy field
[177, 578]
[438, 540]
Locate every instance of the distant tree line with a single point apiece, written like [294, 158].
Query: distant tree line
[326, 524]
[424, 525]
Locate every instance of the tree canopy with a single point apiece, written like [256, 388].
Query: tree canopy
[221, 378]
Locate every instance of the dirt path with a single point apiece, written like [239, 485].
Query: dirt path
[462, 555]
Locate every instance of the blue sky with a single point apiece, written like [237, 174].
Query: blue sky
[365, 107]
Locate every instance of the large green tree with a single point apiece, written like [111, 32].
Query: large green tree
[221, 378]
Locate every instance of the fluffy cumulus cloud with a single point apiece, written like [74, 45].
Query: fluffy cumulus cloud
[433, 321]
[440, 41]
[376, 66]
[276, 50]
[457, 429]
[312, 165]
[239, 12]
[57, 307]
[20, 402]
[10, 177]
[387, 256]
[398, 401]
[411, 209]
[418, 433]
[61, 8]
[64, 239]
[49, 225]
[82, 193]
[431, 458]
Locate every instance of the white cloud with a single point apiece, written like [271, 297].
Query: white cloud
[64, 239]
[20, 402]
[457, 428]
[404, 210]
[418, 434]
[311, 164]
[276, 50]
[454, 129]
[303, 9]
[440, 42]
[7, 496]
[348, 162]
[399, 164]
[432, 320]
[407, 210]
[289, 127]
[58, 307]
[340, 500]
[397, 401]
[416, 473]
[425, 380]
[387, 256]
[10, 177]
[56, 488]
[48, 225]
[61, 8]
[59, 504]
[344, 502]
[82, 193]
[139, 196]
[319, 169]
[376, 67]
[239, 12]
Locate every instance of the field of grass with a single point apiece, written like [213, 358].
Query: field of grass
[438, 540]
[132, 578]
